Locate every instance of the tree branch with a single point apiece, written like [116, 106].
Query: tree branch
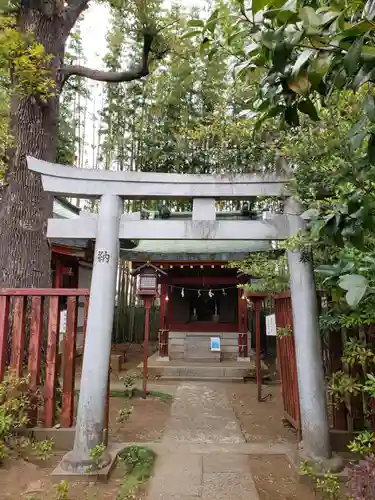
[113, 76]
[72, 13]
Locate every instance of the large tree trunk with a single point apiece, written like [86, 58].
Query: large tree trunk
[24, 209]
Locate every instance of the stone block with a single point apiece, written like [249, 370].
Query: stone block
[225, 462]
[220, 486]
[177, 474]
[116, 362]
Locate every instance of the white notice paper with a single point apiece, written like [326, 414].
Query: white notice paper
[271, 325]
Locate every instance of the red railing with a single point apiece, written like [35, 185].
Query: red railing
[29, 342]
[286, 355]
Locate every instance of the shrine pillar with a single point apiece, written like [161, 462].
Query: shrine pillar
[311, 383]
[92, 399]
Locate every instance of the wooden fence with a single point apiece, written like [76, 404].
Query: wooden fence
[332, 348]
[286, 356]
[29, 337]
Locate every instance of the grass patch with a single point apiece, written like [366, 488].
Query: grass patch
[163, 396]
[139, 462]
[138, 393]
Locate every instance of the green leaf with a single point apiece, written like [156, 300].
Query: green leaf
[290, 5]
[258, 5]
[348, 281]
[276, 111]
[301, 60]
[356, 286]
[212, 21]
[196, 23]
[357, 29]
[268, 39]
[370, 108]
[308, 108]
[191, 34]
[252, 47]
[362, 77]
[280, 56]
[371, 149]
[311, 213]
[235, 36]
[353, 56]
[291, 116]
[310, 17]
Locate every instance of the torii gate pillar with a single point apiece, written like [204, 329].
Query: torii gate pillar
[311, 385]
[92, 398]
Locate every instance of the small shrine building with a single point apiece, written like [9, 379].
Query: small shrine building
[200, 297]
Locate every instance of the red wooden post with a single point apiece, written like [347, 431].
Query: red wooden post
[18, 335]
[69, 356]
[257, 308]
[51, 366]
[85, 316]
[163, 293]
[35, 352]
[36, 337]
[4, 325]
[147, 302]
[240, 339]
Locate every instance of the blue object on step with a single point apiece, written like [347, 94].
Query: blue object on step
[215, 343]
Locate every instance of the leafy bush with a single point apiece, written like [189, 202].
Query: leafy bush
[124, 414]
[328, 485]
[15, 397]
[363, 443]
[139, 463]
[17, 401]
[129, 385]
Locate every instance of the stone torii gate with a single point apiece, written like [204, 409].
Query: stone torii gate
[111, 225]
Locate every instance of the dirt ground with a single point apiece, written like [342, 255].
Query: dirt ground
[260, 421]
[25, 480]
[31, 480]
[274, 476]
[146, 423]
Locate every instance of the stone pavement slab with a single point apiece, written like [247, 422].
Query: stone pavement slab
[225, 463]
[201, 413]
[198, 456]
[229, 486]
[177, 474]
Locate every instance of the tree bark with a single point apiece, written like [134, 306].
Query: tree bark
[25, 208]
[25, 257]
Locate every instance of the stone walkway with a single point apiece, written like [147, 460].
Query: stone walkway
[203, 452]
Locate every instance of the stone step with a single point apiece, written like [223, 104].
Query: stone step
[203, 379]
[200, 371]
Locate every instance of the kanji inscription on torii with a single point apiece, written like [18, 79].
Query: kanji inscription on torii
[103, 256]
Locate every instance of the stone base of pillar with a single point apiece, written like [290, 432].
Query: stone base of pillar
[163, 359]
[74, 466]
[243, 359]
[320, 465]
